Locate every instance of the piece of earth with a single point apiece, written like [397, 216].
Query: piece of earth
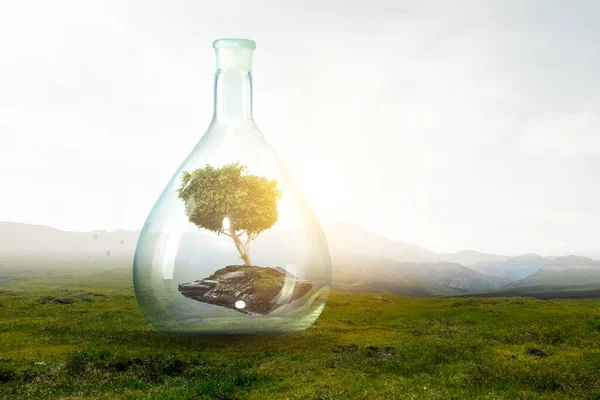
[248, 289]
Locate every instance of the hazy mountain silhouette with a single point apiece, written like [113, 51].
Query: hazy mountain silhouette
[37, 241]
[470, 257]
[514, 268]
[362, 273]
[361, 260]
[569, 270]
[345, 237]
[31, 240]
[354, 273]
[456, 276]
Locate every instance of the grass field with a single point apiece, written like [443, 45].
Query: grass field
[72, 333]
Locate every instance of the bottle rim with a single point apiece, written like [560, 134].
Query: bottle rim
[234, 42]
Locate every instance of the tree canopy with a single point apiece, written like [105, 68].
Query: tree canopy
[214, 196]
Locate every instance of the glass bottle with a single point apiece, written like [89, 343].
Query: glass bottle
[232, 245]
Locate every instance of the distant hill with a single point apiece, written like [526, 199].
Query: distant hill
[456, 276]
[350, 272]
[513, 268]
[24, 239]
[361, 260]
[344, 237]
[353, 273]
[569, 270]
[35, 241]
[470, 257]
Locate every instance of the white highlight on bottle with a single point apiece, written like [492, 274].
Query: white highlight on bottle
[240, 304]
[226, 223]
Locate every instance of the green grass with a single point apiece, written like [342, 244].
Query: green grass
[90, 340]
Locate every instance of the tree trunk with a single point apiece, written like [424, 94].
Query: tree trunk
[246, 259]
[243, 250]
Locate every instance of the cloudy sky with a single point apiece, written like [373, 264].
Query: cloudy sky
[452, 125]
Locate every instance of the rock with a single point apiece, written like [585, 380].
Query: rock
[248, 289]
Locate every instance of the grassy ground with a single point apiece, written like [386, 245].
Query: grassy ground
[70, 334]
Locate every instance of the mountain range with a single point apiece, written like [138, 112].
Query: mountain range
[362, 261]
[570, 270]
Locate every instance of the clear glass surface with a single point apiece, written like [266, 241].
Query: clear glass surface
[247, 274]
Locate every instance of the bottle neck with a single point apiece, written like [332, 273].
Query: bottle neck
[233, 95]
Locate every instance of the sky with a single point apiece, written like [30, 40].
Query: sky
[451, 125]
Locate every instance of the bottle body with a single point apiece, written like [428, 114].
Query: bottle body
[234, 247]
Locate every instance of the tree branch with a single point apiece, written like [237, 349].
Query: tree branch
[250, 237]
[225, 233]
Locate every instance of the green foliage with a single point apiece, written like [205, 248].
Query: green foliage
[249, 202]
[212, 194]
[364, 346]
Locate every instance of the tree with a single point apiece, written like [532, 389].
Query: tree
[229, 201]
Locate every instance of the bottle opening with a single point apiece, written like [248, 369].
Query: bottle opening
[234, 42]
[234, 53]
